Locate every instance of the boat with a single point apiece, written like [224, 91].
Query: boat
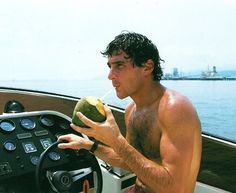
[211, 74]
[30, 123]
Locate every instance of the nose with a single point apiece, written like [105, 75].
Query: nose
[112, 75]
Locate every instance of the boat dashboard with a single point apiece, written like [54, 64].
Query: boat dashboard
[27, 165]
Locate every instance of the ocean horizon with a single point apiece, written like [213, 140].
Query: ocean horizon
[213, 100]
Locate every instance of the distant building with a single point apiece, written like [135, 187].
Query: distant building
[204, 75]
[210, 73]
[175, 72]
[172, 76]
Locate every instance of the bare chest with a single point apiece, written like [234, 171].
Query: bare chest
[144, 133]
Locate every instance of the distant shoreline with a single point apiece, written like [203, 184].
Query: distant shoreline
[209, 78]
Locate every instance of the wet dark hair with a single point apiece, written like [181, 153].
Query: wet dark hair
[139, 48]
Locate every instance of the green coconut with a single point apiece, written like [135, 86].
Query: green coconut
[92, 108]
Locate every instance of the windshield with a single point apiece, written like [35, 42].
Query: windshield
[56, 45]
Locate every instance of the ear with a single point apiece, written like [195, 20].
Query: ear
[148, 67]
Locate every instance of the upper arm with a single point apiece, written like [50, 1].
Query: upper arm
[179, 120]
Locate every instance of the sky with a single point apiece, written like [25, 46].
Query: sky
[61, 39]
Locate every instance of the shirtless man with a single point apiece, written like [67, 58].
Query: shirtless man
[163, 132]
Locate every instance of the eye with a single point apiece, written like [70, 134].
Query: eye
[109, 66]
[120, 66]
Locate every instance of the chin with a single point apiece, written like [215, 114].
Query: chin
[120, 96]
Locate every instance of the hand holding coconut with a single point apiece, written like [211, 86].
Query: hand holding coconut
[93, 119]
[92, 108]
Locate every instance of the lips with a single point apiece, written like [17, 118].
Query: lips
[115, 84]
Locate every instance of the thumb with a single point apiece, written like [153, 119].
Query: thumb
[107, 110]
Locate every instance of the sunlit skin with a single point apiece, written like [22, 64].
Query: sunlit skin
[163, 133]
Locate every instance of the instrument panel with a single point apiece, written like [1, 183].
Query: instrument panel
[24, 136]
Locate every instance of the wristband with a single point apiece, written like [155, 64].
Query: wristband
[94, 146]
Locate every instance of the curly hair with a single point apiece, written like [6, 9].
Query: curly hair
[139, 48]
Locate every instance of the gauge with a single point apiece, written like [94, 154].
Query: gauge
[34, 160]
[64, 125]
[7, 126]
[27, 124]
[54, 156]
[47, 121]
[9, 146]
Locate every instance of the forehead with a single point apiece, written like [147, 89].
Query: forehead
[118, 56]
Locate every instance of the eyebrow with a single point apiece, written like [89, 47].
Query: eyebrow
[118, 62]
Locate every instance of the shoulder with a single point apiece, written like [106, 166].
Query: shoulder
[176, 109]
[172, 99]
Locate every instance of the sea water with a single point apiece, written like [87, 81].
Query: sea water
[215, 101]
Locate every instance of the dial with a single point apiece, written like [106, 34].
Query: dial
[7, 126]
[64, 125]
[34, 160]
[27, 123]
[9, 146]
[47, 121]
[54, 156]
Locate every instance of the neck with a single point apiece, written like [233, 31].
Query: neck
[148, 95]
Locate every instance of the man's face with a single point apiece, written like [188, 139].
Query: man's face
[125, 76]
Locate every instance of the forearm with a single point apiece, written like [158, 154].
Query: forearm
[150, 173]
[108, 155]
[103, 152]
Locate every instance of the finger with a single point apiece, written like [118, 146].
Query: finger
[64, 141]
[64, 137]
[86, 131]
[86, 120]
[62, 146]
[71, 145]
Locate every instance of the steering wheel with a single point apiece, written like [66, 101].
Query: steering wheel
[62, 181]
